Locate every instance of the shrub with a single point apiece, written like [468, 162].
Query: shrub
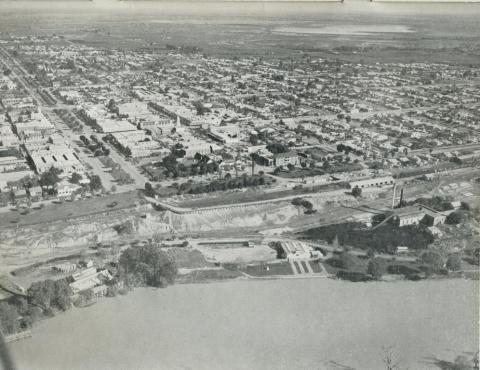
[454, 263]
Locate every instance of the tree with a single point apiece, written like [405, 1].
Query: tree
[111, 105]
[454, 262]
[347, 261]
[49, 293]
[356, 192]
[277, 246]
[41, 293]
[375, 268]
[85, 296]
[127, 152]
[433, 259]
[95, 183]
[290, 167]
[8, 318]
[149, 191]
[51, 177]
[276, 148]
[12, 197]
[149, 264]
[454, 218]
[200, 108]
[62, 295]
[389, 359]
[75, 178]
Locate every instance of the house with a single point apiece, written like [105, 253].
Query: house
[100, 291]
[65, 189]
[456, 204]
[284, 159]
[35, 191]
[434, 218]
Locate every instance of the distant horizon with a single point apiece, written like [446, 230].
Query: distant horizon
[263, 8]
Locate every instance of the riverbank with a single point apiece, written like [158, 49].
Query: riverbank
[262, 324]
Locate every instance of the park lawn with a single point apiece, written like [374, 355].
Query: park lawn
[316, 267]
[281, 268]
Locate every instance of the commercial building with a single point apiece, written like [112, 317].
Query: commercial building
[376, 181]
[108, 125]
[59, 157]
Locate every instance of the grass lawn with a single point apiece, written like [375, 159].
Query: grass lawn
[188, 258]
[199, 276]
[281, 268]
[316, 267]
[304, 265]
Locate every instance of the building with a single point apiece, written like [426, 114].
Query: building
[35, 191]
[225, 134]
[107, 125]
[376, 181]
[89, 279]
[65, 267]
[7, 137]
[284, 159]
[12, 163]
[434, 218]
[65, 189]
[100, 291]
[140, 144]
[411, 215]
[60, 157]
[297, 250]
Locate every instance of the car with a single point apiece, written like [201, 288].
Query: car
[113, 204]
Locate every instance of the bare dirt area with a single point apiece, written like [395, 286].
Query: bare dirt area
[258, 253]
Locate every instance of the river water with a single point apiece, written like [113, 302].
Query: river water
[272, 324]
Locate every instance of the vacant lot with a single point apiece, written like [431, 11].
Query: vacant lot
[56, 212]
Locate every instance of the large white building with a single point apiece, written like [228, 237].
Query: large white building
[108, 125]
[56, 156]
[140, 144]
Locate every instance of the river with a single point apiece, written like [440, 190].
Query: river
[271, 324]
